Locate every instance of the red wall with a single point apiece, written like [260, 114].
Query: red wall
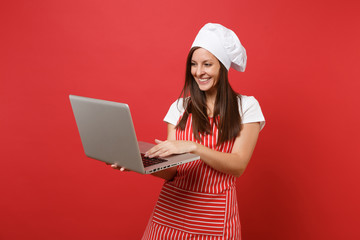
[303, 67]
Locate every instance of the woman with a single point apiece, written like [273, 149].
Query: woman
[198, 199]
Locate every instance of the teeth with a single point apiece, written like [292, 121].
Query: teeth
[203, 80]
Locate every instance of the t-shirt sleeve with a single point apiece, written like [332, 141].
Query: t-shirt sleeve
[175, 111]
[251, 111]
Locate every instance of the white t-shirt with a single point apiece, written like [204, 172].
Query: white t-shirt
[251, 111]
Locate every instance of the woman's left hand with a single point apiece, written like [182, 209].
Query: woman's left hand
[169, 147]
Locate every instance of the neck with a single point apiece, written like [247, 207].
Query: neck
[211, 96]
[210, 102]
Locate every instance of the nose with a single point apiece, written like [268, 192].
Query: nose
[199, 71]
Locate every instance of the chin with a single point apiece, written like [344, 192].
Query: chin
[205, 87]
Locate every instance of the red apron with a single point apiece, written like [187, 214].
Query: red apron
[200, 202]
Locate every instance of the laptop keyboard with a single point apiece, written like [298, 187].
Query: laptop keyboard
[151, 161]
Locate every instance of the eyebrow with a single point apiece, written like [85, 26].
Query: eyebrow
[206, 60]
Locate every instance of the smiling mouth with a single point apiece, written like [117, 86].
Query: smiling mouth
[204, 80]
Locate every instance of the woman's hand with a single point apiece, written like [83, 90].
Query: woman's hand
[169, 147]
[116, 167]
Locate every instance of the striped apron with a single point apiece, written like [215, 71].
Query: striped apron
[200, 202]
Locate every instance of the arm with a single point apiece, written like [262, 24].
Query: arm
[233, 163]
[168, 173]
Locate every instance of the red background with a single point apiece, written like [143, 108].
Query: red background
[303, 67]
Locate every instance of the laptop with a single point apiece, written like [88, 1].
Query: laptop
[107, 134]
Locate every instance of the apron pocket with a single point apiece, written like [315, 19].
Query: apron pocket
[191, 212]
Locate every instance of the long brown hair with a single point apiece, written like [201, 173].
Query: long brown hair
[226, 109]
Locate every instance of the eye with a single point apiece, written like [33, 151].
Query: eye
[208, 64]
[193, 64]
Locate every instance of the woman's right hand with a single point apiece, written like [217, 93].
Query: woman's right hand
[116, 167]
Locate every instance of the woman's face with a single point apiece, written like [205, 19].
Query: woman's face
[205, 69]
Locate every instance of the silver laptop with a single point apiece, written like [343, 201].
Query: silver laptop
[107, 134]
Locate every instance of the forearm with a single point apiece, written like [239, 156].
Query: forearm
[229, 163]
[233, 163]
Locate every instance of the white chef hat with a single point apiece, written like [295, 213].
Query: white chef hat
[223, 44]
